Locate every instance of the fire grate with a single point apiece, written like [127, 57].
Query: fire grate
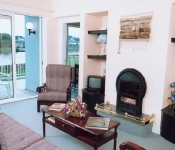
[131, 88]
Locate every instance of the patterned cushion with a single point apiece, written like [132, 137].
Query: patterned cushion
[53, 96]
[6, 121]
[19, 136]
[2, 142]
[58, 77]
[42, 145]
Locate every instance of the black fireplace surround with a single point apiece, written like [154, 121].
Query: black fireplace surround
[131, 88]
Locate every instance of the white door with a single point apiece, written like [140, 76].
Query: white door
[7, 57]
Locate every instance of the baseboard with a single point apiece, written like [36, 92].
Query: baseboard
[156, 130]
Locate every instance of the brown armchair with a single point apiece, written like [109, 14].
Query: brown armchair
[130, 146]
[57, 87]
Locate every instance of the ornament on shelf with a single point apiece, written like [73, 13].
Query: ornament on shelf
[102, 40]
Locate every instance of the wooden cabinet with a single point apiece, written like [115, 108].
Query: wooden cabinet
[168, 124]
[91, 98]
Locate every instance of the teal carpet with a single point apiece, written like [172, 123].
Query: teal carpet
[25, 113]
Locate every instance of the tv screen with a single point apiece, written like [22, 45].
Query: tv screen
[96, 83]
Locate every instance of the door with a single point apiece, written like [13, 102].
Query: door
[28, 47]
[33, 53]
[72, 55]
[7, 63]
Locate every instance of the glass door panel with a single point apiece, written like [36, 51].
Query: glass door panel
[6, 58]
[72, 55]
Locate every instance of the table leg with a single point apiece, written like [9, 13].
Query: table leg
[115, 137]
[44, 124]
[95, 143]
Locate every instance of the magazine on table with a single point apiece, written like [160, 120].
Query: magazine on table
[57, 106]
[52, 119]
[98, 123]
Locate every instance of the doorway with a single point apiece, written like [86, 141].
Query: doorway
[72, 55]
[20, 56]
[27, 55]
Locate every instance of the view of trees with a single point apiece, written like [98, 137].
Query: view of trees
[6, 43]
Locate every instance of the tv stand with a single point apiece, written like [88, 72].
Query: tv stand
[91, 98]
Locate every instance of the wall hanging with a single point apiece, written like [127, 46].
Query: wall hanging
[135, 31]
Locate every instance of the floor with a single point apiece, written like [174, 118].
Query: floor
[26, 113]
[21, 91]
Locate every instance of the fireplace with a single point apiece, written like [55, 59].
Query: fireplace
[131, 88]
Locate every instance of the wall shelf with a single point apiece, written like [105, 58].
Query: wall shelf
[172, 39]
[102, 57]
[97, 32]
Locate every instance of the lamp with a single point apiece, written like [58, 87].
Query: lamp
[29, 26]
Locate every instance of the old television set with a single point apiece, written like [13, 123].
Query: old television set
[96, 83]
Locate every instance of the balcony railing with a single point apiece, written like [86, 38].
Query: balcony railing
[6, 67]
[72, 60]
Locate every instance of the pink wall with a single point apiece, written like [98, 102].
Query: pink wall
[156, 63]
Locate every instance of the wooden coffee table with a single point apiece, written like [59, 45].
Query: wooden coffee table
[76, 127]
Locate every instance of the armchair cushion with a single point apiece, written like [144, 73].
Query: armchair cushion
[52, 96]
[58, 77]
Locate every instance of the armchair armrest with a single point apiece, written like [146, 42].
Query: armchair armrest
[69, 93]
[130, 146]
[41, 88]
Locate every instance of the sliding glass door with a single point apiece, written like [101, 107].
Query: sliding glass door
[7, 63]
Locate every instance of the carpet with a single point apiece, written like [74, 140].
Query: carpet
[26, 113]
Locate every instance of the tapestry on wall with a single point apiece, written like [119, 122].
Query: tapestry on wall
[135, 31]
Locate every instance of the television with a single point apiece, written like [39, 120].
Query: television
[96, 83]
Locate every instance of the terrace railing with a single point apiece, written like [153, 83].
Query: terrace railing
[6, 67]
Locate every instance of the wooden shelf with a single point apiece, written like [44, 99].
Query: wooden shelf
[172, 39]
[102, 57]
[97, 32]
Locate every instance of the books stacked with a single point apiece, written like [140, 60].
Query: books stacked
[57, 106]
[98, 123]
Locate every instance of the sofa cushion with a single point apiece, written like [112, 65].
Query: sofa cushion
[18, 137]
[2, 142]
[6, 121]
[42, 145]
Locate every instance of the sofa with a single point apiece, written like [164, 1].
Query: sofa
[16, 136]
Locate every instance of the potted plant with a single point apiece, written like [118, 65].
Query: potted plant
[172, 97]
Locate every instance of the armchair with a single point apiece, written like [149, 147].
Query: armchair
[130, 146]
[57, 87]
[5, 80]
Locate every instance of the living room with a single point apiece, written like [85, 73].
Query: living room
[155, 61]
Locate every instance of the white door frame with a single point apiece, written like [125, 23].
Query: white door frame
[43, 52]
[63, 36]
[13, 58]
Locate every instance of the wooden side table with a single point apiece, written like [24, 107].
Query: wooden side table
[168, 124]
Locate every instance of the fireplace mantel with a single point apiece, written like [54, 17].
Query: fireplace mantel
[143, 119]
[139, 126]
